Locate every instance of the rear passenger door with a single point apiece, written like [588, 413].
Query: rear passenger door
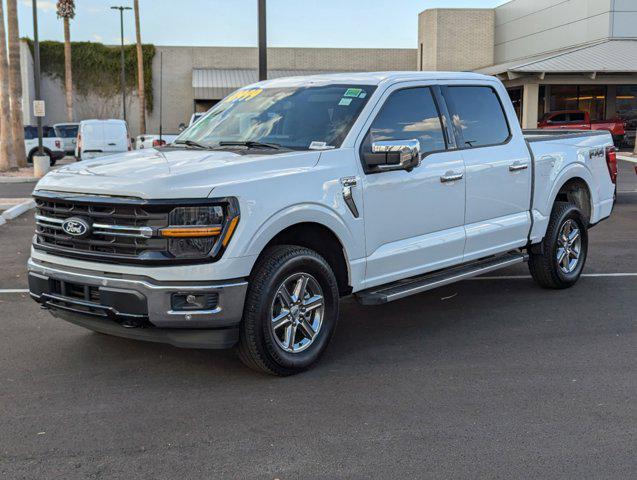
[498, 170]
[115, 137]
[414, 220]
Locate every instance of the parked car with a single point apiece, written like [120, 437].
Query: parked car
[580, 120]
[68, 133]
[247, 230]
[97, 138]
[151, 141]
[52, 145]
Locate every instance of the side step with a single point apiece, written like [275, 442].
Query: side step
[411, 286]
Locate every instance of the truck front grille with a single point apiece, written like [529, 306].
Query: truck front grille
[119, 231]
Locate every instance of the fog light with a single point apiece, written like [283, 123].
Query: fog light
[194, 301]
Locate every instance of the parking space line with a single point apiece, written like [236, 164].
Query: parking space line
[14, 290]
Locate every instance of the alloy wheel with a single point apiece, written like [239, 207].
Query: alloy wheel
[297, 312]
[569, 246]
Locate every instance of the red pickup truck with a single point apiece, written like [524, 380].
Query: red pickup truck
[580, 120]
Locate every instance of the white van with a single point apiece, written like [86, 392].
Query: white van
[97, 138]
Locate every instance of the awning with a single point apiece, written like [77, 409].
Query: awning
[215, 84]
[610, 56]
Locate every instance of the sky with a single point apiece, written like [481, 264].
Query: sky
[291, 23]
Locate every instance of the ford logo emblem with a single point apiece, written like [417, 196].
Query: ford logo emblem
[76, 226]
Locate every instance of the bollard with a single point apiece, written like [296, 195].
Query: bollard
[41, 165]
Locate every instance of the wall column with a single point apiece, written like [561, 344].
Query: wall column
[530, 98]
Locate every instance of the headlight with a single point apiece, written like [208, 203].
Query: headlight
[202, 231]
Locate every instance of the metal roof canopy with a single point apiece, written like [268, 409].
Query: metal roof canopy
[215, 84]
[610, 56]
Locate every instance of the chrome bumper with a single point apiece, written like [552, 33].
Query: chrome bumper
[134, 300]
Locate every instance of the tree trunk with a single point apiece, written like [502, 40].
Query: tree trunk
[68, 71]
[140, 73]
[6, 147]
[15, 83]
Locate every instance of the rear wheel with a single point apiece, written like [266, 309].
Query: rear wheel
[290, 313]
[562, 254]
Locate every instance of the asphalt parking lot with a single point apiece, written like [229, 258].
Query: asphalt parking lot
[489, 378]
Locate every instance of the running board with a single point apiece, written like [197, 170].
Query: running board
[411, 286]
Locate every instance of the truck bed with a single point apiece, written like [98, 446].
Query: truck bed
[544, 135]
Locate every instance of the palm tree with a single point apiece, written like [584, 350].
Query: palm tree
[15, 83]
[66, 11]
[141, 96]
[6, 147]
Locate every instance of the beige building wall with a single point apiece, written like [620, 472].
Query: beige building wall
[455, 39]
[524, 28]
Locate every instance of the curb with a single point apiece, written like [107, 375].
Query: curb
[17, 210]
[18, 179]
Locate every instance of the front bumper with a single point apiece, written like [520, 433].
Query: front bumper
[140, 308]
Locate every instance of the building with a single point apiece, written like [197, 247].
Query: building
[551, 54]
[195, 78]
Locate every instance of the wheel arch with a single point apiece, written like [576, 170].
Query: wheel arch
[577, 191]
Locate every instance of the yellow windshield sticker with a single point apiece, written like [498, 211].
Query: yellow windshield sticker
[244, 95]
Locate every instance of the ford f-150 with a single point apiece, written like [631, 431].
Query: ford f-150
[292, 193]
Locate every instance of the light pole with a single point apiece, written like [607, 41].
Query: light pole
[263, 42]
[123, 79]
[36, 72]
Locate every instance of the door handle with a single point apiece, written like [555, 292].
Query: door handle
[451, 177]
[112, 144]
[516, 167]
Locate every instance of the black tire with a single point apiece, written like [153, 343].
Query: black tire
[258, 347]
[47, 152]
[543, 262]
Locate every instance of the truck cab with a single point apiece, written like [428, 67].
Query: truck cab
[292, 193]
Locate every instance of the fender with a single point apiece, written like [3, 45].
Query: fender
[542, 211]
[575, 170]
[304, 213]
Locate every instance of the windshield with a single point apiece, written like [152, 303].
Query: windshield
[66, 131]
[298, 118]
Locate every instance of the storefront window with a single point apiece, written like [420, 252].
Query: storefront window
[516, 99]
[589, 98]
[627, 102]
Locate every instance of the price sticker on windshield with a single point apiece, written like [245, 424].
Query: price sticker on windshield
[244, 95]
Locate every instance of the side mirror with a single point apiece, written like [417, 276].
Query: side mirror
[182, 127]
[393, 155]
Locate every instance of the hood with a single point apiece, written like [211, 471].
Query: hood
[171, 173]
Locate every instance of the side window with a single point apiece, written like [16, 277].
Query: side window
[28, 133]
[409, 114]
[577, 117]
[477, 113]
[559, 118]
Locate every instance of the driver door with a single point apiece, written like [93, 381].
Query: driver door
[414, 220]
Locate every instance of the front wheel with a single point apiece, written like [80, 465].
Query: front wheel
[562, 254]
[291, 311]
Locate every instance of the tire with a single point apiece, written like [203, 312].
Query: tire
[267, 348]
[544, 265]
[47, 152]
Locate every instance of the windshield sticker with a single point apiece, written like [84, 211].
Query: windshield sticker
[319, 146]
[345, 101]
[244, 95]
[353, 92]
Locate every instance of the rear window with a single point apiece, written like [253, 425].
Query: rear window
[559, 118]
[66, 131]
[478, 115]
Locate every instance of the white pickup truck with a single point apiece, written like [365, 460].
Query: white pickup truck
[292, 193]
